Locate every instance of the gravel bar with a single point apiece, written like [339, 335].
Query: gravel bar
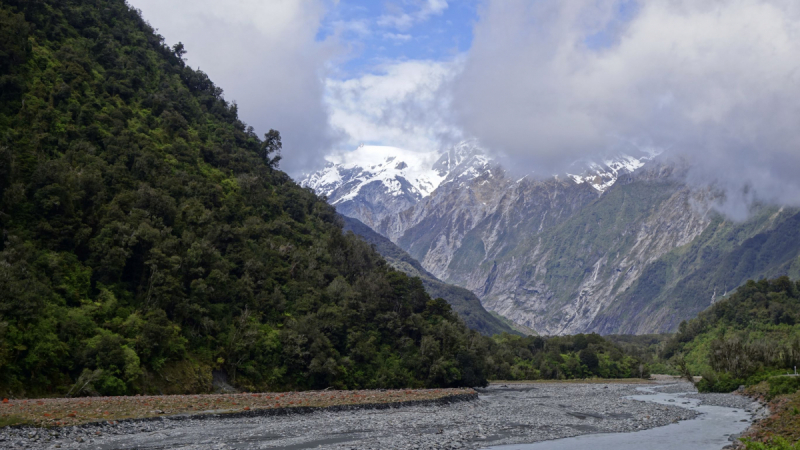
[501, 414]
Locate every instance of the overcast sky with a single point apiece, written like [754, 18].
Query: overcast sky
[542, 82]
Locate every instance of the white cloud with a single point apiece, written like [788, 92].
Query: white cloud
[402, 105]
[402, 20]
[717, 81]
[397, 37]
[358, 27]
[266, 57]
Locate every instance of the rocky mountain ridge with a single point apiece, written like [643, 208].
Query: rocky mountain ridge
[617, 249]
[374, 182]
[558, 258]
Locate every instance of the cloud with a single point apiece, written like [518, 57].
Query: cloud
[397, 37]
[358, 27]
[266, 57]
[715, 81]
[399, 18]
[403, 104]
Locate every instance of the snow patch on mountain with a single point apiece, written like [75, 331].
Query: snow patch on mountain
[377, 183]
[602, 176]
[401, 172]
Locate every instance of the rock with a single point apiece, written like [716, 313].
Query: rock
[507, 415]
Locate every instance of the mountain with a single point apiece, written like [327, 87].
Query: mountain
[602, 175]
[375, 182]
[555, 256]
[691, 277]
[463, 301]
[150, 241]
[619, 246]
[393, 191]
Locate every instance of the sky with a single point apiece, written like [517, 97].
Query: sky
[540, 83]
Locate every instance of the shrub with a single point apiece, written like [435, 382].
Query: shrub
[718, 382]
[782, 386]
[777, 443]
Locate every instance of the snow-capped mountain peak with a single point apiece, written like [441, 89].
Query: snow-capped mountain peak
[373, 181]
[464, 161]
[401, 172]
[603, 175]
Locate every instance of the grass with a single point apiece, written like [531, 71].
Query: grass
[11, 420]
[773, 444]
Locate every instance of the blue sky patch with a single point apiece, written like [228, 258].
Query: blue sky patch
[383, 32]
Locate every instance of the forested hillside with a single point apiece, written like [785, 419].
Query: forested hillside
[744, 339]
[149, 239]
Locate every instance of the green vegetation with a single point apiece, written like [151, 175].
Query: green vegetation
[750, 337]
[647, 348]
[777, 443]
[565, 357]
[463, 301]
[521, 329]
[782, 428]
[12, 420]
[513, 357]
[149, 239]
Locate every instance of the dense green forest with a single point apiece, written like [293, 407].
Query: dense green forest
[516, 357]
[149, 240]
[647, 348]
[747, 338]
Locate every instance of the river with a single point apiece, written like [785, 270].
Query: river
[711, 430]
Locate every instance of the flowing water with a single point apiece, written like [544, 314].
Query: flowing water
[711, 430]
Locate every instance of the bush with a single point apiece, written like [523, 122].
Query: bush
[782, 386]
[777, 443]
[718, 382]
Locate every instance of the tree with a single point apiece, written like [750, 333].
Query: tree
[589, 358]
[179, 50]
[272, 145]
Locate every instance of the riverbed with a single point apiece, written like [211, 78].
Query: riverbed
[503, 414]
[714, 428]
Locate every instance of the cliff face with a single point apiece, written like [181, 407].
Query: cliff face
[559, 279]
[548, 254]
[560, 258]
[691, 277]
[462, 224]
